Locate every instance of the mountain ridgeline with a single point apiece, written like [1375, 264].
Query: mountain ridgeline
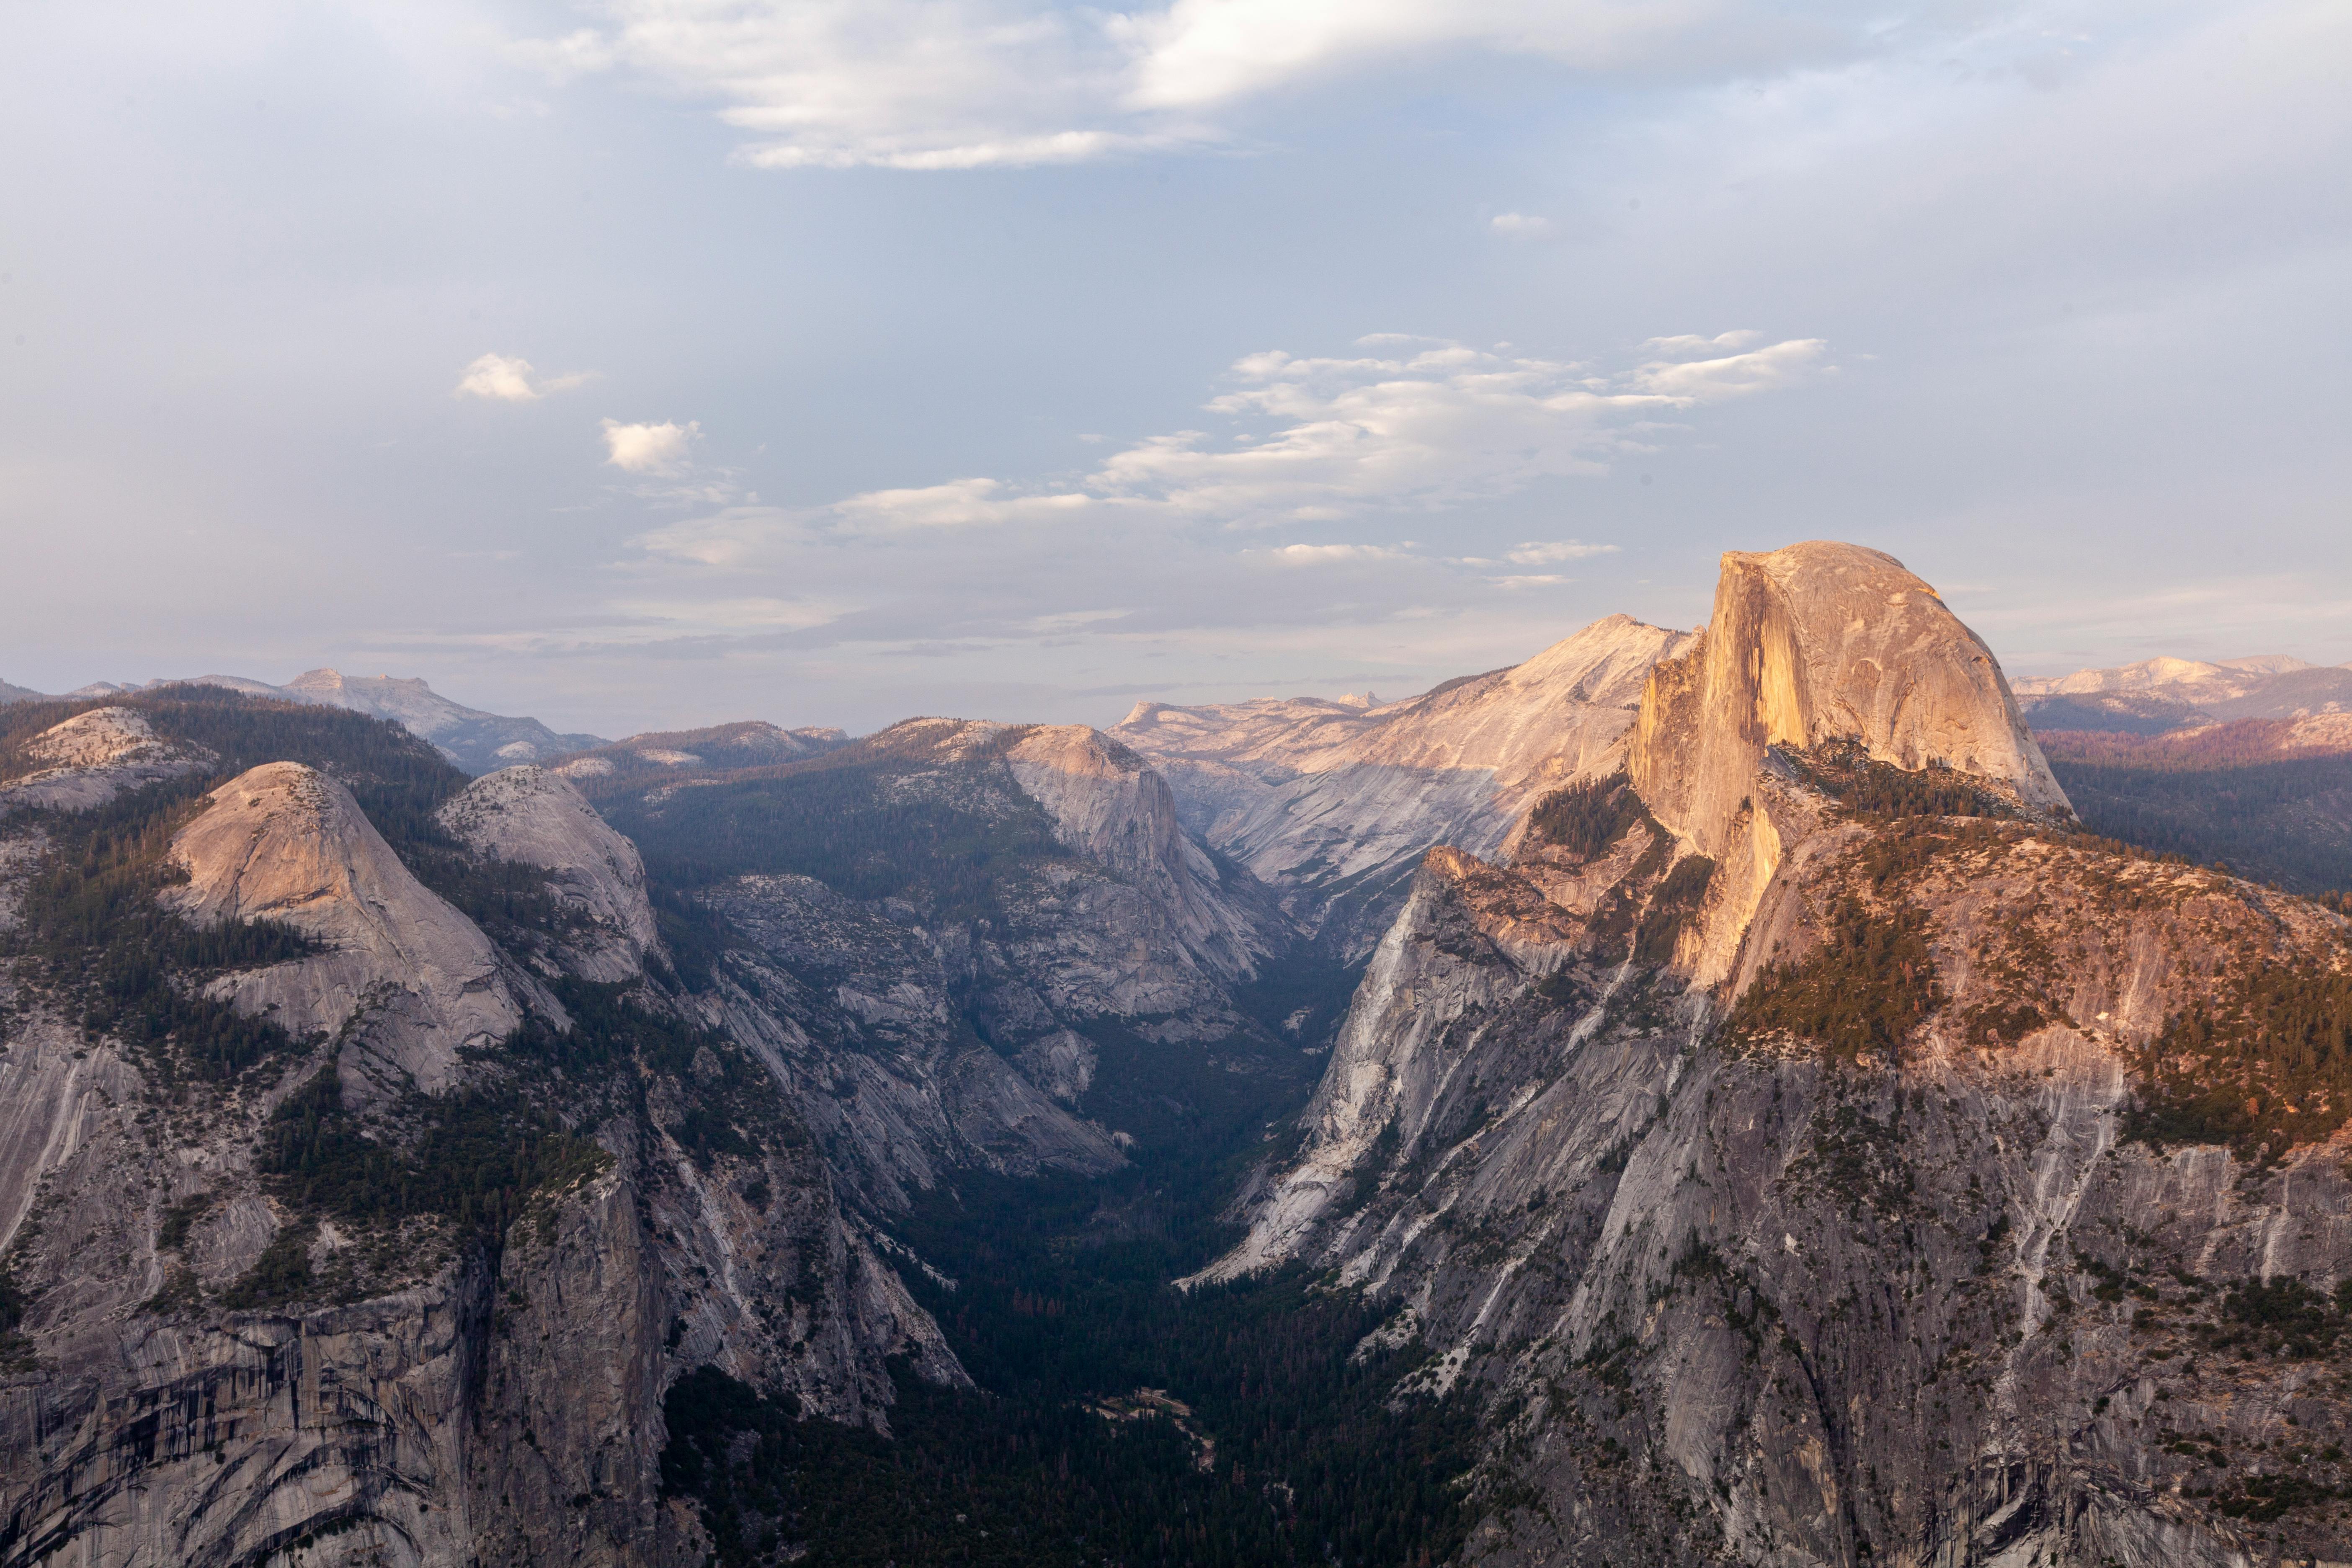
[1689, 1098]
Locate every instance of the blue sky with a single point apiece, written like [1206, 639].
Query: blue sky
[665, 361]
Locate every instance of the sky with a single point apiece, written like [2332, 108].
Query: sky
[650, 364]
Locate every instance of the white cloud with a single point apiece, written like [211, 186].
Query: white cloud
[1309, 440]
[1539, 552]
[1524, 226]
[968, 84]
[510, 380]
[665, 449]
[1732, 374]
[1332, 554]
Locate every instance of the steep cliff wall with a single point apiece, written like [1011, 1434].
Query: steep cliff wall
[1857, 1278]
[380, 1255]
[1810, 646]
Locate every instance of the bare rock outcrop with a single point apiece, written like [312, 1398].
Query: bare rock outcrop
[405, 978]
[1811, 645]
[93, 757]
[533, 817]
[855, 1011]
[1335, 802]
[1109, 805]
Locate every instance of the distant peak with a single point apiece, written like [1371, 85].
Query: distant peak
[1357, 699]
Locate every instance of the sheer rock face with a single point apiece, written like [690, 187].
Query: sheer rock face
[1810, 644]
[1135, 922]
[856, 1011]
[1326, 800]
[407, 978]
[1108, 805]
[1734, 1300]
[479, 1414]
[1765, 1292]
[532, 817]
[93, 757]
[1820, 642]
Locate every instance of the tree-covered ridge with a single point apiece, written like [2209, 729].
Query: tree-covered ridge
[2286, 822]
[1856, 996]
[1584, 818]
[885, 817]
[1875, 791]
[1987, 931]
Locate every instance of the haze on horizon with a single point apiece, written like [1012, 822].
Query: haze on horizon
[657, 363]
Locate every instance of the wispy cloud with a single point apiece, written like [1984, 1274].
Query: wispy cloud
[504, 380]
[1546, 552]
[973, 84]
[1414, 424]
[1332, 554]
[1520, 225]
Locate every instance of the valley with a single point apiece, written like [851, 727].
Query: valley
[1776, 1094]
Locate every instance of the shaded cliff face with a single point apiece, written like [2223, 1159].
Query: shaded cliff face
[1333, 804]
[532, 817]
[1945, 1186]
[407, 1287]
[966, 945]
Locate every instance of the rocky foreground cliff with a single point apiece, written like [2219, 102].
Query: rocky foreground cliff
[348, 1218]
[1813, 1149]
[376, 1160]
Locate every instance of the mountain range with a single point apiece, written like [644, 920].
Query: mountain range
[2161, 695]
[1689, 1097]
[476, 741]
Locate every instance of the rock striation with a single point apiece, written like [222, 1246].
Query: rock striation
[409, 1286]
[534, 817]
[1334, 802]
[406, 980]
[1109, 805]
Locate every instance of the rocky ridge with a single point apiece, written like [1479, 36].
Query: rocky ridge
[675, 756]
[927, 1027]
[2161, 695]
[1933, 1188]
[1333, 801]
